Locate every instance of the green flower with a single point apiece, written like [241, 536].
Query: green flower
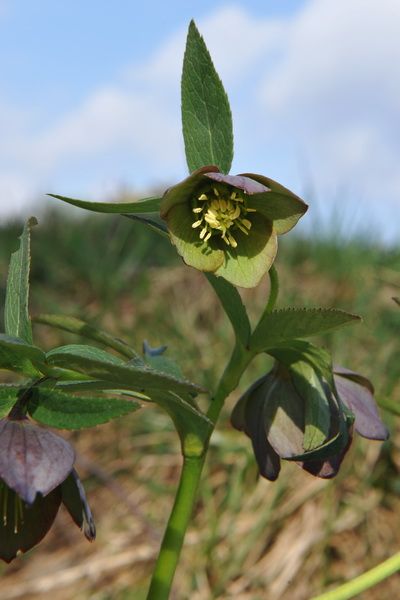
[228, 224]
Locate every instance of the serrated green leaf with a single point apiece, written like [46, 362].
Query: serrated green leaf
[16, 355]
[64, 411]
[148, 205]
[233, 307]
[16, 314]
[206, 114]
[281, 325]
[84, 329]
[164, 364]
[101, 365]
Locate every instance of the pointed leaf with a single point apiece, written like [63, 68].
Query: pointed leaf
[101, 365]
[17, 355]
[280, 325]
[65, 411]
[206, 114]
[148, 205]
[233, 307]
[16, 315]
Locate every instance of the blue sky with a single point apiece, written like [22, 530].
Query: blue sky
[89, 100]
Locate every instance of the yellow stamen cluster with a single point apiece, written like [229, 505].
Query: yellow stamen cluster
[221, 212]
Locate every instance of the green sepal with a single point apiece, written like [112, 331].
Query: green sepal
[196, 253]
[245, 265]
[281, 325]
[317, 411]
[280, 205]
[65, 411]
[294, 351]
[206, 114]
[147, 205]
[335, 445]
[16, 313]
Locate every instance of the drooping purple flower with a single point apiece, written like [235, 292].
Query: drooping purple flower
[292, 414]
[36, 476]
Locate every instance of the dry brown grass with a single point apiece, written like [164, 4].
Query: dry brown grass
[250, 539]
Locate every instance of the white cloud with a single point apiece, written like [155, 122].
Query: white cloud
[336, 91]
[321, 83]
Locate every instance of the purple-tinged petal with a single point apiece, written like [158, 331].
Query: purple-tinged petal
[267, 459]
[75, 501]
[32, 459]
[356, 377]
[326, 469]
[362, 404]
[249, 186]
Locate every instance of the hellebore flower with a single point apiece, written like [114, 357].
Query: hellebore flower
[36, 476]
[291, 413]
[228, 224]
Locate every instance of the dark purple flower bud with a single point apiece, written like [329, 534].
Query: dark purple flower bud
[36, 476]
[291, 413]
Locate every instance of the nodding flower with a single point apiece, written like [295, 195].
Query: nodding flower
[292, 413]
[36, 476]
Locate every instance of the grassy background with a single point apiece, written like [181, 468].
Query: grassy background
[250, 539]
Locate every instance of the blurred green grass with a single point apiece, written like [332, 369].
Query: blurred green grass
[250, 539]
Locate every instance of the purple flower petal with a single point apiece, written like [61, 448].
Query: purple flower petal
[360, 401]
[249, 186]
[32, 459]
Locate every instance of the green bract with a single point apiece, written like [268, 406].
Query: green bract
[228, 224]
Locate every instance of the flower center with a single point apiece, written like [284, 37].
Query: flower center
[221, 212]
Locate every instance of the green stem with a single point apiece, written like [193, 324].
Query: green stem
[273, 290]
[234, 370]
[171, 545]
[364, 581]
[174, 535]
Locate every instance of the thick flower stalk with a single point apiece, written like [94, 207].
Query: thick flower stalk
[36, 476]
[228, 224]
[292, 413]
